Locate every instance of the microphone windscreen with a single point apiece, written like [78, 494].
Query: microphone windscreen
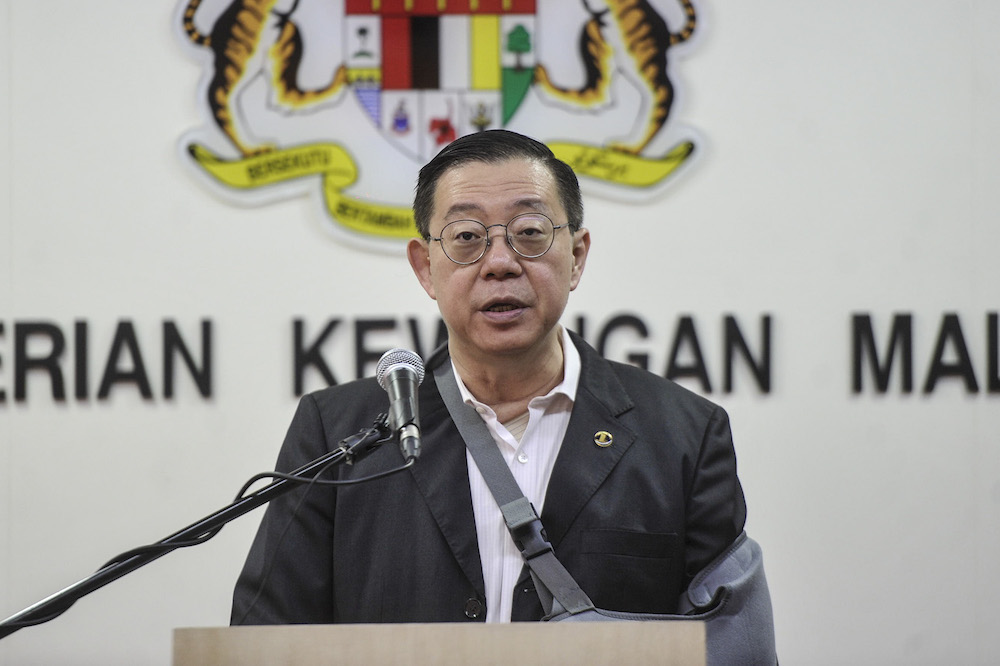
[396, 357]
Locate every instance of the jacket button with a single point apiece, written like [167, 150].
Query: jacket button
[473, 609]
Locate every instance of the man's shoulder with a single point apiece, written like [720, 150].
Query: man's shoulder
[359, 391]
[651, 384]
[643, 388]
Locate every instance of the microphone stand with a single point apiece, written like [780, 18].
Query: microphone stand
[351, 449]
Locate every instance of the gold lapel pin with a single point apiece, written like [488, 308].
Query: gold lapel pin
[603, 439]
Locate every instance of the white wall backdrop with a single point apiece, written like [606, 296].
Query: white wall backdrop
[849, 167]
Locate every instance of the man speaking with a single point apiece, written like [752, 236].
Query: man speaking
[634, 477]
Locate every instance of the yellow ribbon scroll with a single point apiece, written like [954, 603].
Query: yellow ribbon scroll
[619, 167]
[328, 160]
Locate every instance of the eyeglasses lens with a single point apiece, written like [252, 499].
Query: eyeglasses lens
[465, 241]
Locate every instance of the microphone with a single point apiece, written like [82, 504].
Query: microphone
[400, 372]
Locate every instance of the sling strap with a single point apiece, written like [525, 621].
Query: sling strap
[730, 595]
[557, 590]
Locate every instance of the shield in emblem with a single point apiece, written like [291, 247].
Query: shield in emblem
[429, 72]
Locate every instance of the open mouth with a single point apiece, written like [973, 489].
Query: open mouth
[502, 307]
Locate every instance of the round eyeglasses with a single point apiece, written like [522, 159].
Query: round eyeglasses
[466, 241]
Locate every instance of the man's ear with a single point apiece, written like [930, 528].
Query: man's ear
[581, 248]
[419, 253]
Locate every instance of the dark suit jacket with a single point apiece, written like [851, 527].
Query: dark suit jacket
[632, 522]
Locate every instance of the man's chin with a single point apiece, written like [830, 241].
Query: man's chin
[508, 344]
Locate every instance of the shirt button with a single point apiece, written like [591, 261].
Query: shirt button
[522, 457]
[473, 609]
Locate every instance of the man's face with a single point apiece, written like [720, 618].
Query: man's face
[503, 304]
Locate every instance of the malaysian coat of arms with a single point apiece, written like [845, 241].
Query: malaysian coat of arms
[347, 99]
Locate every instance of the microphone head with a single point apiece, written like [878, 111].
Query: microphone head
[398, 357]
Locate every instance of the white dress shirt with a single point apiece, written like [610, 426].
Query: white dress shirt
[529, 443]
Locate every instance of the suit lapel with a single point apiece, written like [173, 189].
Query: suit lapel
[442, 476]
[583, 465]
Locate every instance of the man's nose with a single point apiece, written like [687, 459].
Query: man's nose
[499, 255]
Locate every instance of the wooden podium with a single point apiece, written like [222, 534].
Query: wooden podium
[517, 644]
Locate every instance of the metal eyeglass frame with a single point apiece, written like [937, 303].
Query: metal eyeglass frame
[510, 244]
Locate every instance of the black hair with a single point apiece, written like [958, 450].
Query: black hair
[493, 147]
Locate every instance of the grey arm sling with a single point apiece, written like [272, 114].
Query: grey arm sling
[730, 595]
